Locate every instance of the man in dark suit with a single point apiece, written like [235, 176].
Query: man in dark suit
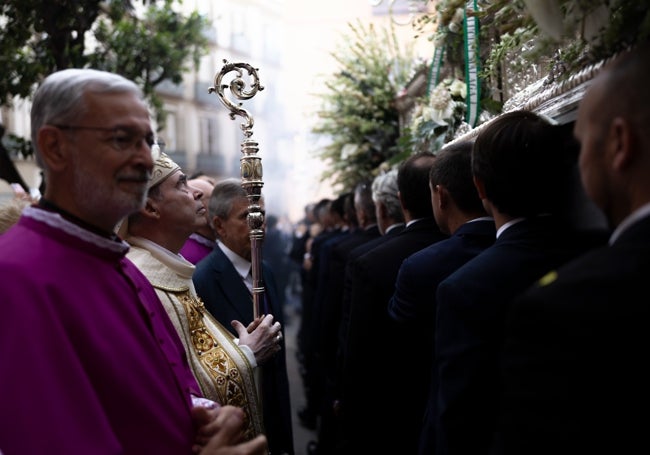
[328, 316]
[222, 280]
[330, 215]
[522, 171]
[458, 212]
[390, 222]
[370, 357]
[275, 254]
[574, 363]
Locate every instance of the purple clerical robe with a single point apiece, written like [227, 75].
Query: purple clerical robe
[89, 360]
[197, 247]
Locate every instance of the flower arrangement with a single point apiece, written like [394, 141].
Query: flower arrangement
[358, 116]
[520, 42]
[523, 40]
[438, 117]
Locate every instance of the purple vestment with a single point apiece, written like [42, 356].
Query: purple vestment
[196, 248]
[89, 361]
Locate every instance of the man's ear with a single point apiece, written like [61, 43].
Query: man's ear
[52, 145]
[401, 200]
[480, 187]
[620, 143]
[217, 225]
[443, 196]
[381, 210]
[150, 209]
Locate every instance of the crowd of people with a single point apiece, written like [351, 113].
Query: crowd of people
[486, 299]
[444, 346]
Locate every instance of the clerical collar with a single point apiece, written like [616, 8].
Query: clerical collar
[52, 207]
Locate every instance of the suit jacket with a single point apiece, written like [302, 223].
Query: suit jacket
[335, 386]
[274, 253]
[574, 370]
[226, 296]
[413, 305]
[307, 339]
[419, 275]
[374, 355]
[310, 284]
[350, 265]
[330, 311]
[327, 310]
[320, 297]
[469, 332]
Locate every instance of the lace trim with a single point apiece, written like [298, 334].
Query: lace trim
[56, 221]
[198, 238]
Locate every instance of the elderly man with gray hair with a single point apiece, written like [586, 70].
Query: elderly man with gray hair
[91, 362]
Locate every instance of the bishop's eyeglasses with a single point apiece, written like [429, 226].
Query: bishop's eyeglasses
[123, 138]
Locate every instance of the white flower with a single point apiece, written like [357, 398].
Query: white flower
[416, 121]
[441, 103]
[443, 109]
[455, 25]
[439, 97]
[416, 116]
[459, 16]
[437, 115]
[458, 88]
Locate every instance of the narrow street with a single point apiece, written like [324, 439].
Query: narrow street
[301, 435]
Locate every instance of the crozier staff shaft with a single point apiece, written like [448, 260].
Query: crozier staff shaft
[250, 163]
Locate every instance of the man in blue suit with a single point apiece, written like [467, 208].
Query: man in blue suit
[370, 356]
[329, 309]
[522, 169]
[458, 212]
[222, 280]
[575, 358]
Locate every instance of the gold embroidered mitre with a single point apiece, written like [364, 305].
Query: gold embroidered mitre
[163, 167]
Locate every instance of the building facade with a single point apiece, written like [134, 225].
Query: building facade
[290, 43]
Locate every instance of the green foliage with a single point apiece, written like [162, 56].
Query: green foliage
[560, 37]
[172, 43]
[39, 37]
[628, 24]
[516, 33]
[16, 146]
[358, 114]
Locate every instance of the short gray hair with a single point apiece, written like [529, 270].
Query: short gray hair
[384, 190]
[224, 194]
[60, 98]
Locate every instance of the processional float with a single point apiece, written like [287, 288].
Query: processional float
[251, 163]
